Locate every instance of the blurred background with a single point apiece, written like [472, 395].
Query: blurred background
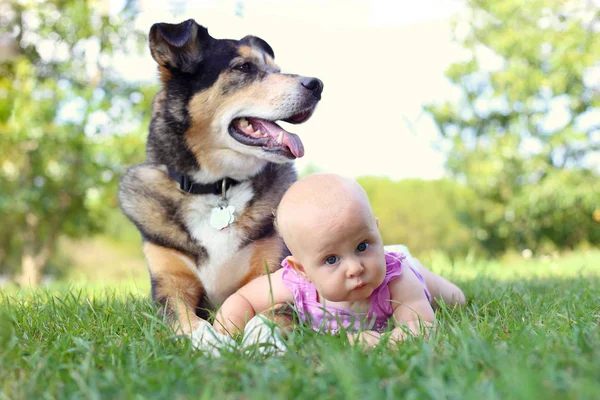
[474, 125]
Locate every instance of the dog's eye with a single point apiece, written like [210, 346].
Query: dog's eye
[245, 67]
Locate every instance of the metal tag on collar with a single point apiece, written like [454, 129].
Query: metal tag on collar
[224, 190]
[223, 215]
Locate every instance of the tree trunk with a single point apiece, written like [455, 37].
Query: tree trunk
[31, 271]
[33, 263]
[34, 258]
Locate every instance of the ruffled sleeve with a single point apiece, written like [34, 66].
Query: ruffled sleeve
[393, 265]
[290, 278]
[393, 269]
[302, 290]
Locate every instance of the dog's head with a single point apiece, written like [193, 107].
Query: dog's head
[230, 93]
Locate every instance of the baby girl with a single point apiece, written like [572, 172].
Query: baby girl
[339, 276]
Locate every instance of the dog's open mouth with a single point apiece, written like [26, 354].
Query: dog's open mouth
[270, 136]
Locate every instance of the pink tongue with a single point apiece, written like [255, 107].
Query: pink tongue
[291, 140]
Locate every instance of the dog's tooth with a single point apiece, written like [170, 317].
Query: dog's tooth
[280, 138]
[258, 132]
[243, 122]
[250, 127]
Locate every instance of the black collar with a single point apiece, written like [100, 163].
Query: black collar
[189, 186]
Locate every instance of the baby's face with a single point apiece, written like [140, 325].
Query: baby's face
[342, 253]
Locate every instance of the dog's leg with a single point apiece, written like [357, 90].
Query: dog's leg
[177, 289]
[282, 315]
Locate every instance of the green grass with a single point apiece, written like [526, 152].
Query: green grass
[530, 331]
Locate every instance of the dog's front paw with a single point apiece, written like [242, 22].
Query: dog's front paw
[205, 338]
[264, 336]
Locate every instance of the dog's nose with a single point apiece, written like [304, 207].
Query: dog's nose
[314, 85]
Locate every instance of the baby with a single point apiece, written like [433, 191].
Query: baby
[339, 276]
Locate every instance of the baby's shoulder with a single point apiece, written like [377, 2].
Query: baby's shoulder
[394, 263]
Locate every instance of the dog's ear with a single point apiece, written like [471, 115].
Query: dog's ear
[258, 43]
[178, 46]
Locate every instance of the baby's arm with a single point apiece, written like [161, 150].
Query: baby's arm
[256, 296]
[412, 309]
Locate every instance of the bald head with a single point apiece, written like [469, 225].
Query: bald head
[315, 200]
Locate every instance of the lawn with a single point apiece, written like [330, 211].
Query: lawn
[530, 330]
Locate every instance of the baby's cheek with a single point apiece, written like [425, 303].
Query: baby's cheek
[332, 292]
[381, 271]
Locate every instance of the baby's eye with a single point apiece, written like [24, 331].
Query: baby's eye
[331, 260]
[362, 247]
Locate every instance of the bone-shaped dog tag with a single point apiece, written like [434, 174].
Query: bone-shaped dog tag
[222, 217]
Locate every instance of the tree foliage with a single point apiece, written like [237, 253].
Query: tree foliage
[68, 123]
[424, 215]
[525, 135]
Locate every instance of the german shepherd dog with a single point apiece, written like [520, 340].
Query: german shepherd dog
[217, 166]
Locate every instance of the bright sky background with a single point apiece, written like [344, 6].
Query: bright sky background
[380, 60]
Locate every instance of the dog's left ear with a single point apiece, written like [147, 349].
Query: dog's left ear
[258, 43]
[178, 46]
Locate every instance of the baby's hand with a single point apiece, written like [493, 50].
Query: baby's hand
[366, 339]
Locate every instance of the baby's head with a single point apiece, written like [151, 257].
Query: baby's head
[329, 226]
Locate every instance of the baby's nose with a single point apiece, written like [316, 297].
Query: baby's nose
[355, 269]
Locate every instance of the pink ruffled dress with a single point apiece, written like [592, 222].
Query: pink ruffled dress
[330, 319]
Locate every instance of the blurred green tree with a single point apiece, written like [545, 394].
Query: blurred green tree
[525, 134]
[425, 215]
[68, 123]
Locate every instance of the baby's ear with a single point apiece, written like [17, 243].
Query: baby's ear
[296, 266]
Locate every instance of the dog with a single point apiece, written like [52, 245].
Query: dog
[217, 166]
